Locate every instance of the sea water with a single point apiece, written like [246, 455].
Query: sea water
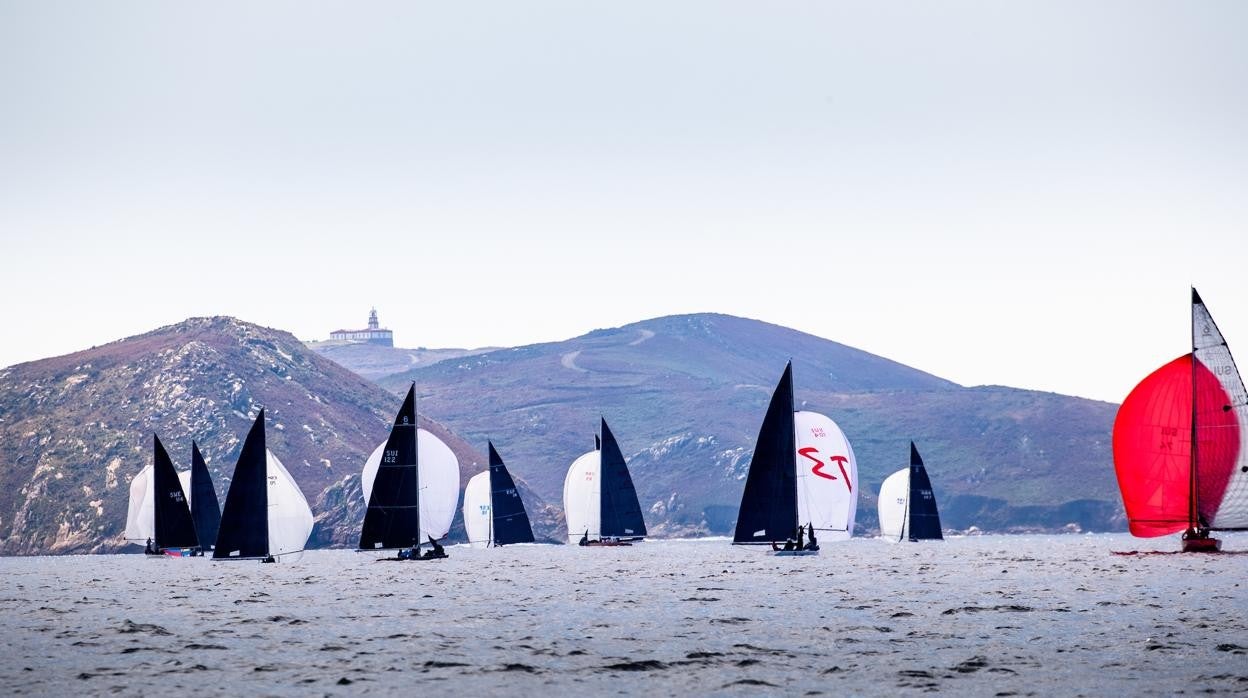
[989, 615]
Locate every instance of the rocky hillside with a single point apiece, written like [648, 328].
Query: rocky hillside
[75, 429]
[685, 396]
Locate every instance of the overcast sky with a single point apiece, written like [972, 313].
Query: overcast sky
[995, 192]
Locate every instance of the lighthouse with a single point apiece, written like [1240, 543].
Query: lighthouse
[373, 334]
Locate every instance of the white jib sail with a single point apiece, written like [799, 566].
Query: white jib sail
[478, 512]
[290, 517]
[439, 482]
[827, 477]
[893, 505]
[1211, 349]
[582, 503]
[141, 511]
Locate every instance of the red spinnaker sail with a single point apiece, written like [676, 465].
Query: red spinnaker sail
[1152, 448]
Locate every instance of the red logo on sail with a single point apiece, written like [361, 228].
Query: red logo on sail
[817, 469]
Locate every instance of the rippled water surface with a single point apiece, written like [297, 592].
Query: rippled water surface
[992, 615]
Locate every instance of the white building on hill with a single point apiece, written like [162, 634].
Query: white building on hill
[374, 334]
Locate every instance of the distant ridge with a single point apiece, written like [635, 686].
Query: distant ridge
[75, 429]
[374, 361]
[685, 395]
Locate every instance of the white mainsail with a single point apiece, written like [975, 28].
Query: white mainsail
[439, 482]
[893, 504]
[479, 511]
[827, 477]
[141, 511]
[582, 502]
[289, 516]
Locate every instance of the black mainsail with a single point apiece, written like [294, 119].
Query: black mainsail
[172, 521]
[510, 521]
[205, 509]
[619, 509]
[244, 532]
[924, 520]
[768, 510]
[393, 516]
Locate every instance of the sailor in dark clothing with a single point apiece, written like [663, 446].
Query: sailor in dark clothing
[789, 545]
[813, 544]
[436, 552]
[149, 550]
[585, 538]
[801, 531]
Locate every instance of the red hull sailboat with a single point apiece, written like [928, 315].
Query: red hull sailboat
[1179, 444]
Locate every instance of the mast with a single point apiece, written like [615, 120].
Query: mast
[393, 516]
[1193, 516]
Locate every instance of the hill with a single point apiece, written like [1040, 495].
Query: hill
[75, 429]
[373, 361]
[685, 396]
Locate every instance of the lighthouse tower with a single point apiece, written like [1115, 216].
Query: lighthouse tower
[372, 320]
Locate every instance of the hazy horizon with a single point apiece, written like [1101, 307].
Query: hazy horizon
[995, 194]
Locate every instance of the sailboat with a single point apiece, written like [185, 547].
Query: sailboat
[803, 474]
[907, 506]
[599, 499]
[266, 516]
[205, 510]
[158, 515]
[493, 512]
[411, 486]
[1179, 444]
